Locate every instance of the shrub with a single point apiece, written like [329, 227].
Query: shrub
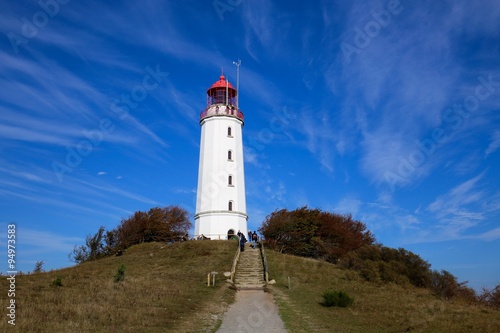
[57, 282]
[120, 274]
[381, 263]
[370, 271]
[445, 285]
[314, 233]
[491, 297]
[336, 298]
[156, 225]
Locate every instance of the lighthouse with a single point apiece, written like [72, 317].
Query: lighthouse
[220, 198]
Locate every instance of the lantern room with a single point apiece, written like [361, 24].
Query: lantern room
[221, 92]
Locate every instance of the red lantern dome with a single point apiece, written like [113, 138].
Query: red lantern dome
[221, 92]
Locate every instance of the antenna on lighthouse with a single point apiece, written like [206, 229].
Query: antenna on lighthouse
[237, 81]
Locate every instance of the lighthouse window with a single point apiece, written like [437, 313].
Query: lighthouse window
[229, 155]
[229, 132]
[221, 96]
[230, 180]
[230, 206]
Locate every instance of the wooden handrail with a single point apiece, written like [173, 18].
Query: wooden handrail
[235, 260]
[264, 260]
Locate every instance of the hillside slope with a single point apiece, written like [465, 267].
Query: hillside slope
[378, 307]
[164, 290]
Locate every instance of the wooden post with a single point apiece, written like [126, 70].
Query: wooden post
[213, 278]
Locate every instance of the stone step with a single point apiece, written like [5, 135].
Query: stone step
[249, 282]
[249, 271]
[247, 276]
[256, 276]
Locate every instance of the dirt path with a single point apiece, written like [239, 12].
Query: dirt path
[253, 311]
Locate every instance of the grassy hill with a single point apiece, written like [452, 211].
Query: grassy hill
[165, 290]
[378, 307]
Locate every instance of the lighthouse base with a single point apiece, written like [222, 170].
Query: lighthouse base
[219, 225]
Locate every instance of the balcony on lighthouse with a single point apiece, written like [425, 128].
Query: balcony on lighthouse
[221, 101]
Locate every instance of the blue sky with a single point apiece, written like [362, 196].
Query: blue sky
[388, 110]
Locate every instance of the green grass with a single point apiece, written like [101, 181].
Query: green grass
[376, 308]
[164, 290]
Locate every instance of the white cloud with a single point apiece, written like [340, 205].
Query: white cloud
[488, 236]
[348, 206]
[495, 143]
[456, 211]
[46, 242]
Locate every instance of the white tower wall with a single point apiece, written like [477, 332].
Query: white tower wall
[220, 200]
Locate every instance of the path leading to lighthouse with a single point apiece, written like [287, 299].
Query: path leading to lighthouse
[254, 311]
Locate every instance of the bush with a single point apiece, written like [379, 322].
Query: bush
[445, 285]
[156, 225]
[491, 297]
[120, 274]
[370, 271]
[57, 282]
[314, 233]
[336, 298]
[380, 263]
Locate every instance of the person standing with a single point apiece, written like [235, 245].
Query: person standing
[242, 242]
[254, 238]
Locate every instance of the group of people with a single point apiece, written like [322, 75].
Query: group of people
[251, 236]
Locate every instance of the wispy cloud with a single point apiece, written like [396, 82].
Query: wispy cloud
[495, 143]
[315, 125]
[455, 211]
[46, 242]
[394, 109]
[488, 236]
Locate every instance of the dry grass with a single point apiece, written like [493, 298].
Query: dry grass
[377, 307]
[164, 290]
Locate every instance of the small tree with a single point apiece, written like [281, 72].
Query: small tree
[38, 267]
[92, 250]
[111, 241]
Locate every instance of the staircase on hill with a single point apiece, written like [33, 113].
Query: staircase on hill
[250, 271]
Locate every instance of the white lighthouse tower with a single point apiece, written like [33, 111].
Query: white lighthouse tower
[220, 199]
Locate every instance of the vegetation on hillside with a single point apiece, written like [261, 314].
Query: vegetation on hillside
[306, 232]
[313, 233]
[378, 307]
[157, 225]
[341, 240]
